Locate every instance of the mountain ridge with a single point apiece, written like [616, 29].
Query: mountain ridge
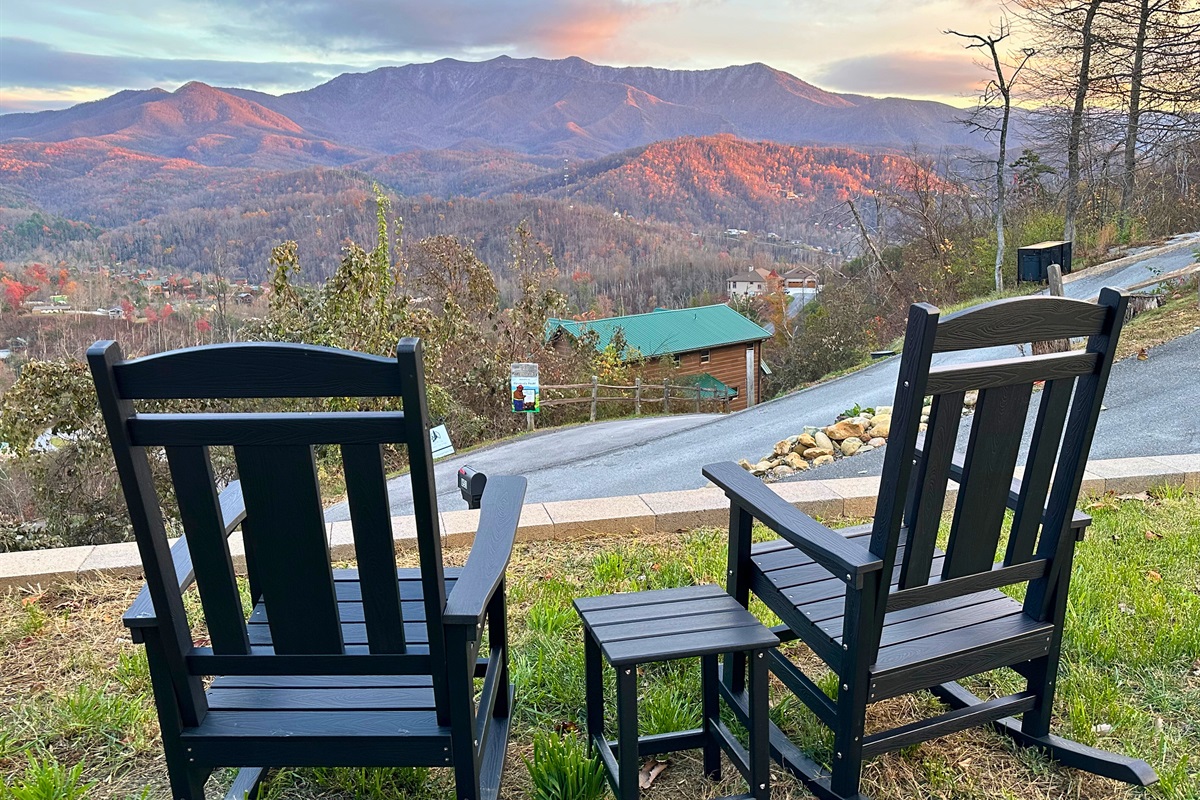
[565, 107]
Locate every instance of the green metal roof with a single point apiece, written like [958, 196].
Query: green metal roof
[708, 385]
[664, 331]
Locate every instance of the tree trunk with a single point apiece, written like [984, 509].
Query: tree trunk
[1128, 178]
[1076, 131]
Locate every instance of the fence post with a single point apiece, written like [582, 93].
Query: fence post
[697, 399]
[637, 396]
[595, 390]
[529, 421]
[666, 395]
[725, 399]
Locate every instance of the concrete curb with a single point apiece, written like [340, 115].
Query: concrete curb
[616, 516]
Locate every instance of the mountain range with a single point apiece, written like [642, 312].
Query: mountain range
[568, 108]
[161, 176]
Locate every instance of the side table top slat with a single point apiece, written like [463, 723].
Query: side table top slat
[663, 624]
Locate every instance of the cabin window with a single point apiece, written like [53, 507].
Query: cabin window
[703, 356]
[733, 391]
[675, 359]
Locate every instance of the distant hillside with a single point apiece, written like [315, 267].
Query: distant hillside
[723, 180]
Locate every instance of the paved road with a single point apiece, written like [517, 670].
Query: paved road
[666, 453]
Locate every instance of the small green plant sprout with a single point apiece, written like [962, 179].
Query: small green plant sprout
[562, 770]
[48, 780]
[856, 409]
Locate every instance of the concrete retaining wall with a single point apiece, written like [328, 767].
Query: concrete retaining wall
[574, 519]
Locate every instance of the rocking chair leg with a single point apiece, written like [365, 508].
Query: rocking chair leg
[1066, 752]
[1042, 675]
[847, 740]
[186, 783]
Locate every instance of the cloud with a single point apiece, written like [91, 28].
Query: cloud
[29, 64]
[901, 73]
[550, 27]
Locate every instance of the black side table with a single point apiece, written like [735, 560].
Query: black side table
[643, 627]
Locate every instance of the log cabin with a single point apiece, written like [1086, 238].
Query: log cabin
[713, 347]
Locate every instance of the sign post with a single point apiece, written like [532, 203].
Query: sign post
[524, 392]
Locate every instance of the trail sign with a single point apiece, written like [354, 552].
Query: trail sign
[523, 389]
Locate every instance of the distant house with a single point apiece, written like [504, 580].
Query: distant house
[713, 347]
[801, 283]
[750, 284]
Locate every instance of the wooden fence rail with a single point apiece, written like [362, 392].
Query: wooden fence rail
[686, 394]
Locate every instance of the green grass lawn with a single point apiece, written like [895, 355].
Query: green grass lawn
[74, 691]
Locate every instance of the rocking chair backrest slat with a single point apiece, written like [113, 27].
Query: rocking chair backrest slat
[204, 526]
[266, 430]
[284, 500]
[284, 532]
[1039, 465]
[928, 489]
[257, 369]
[367, 496]
[1007, 371]
[1010, 322]
[1069, 401]
[987, 472]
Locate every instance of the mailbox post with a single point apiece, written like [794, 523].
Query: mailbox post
[471, 483]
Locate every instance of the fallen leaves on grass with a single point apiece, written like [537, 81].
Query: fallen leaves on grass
[1152, 536]
[650, 770]
[1154, 576]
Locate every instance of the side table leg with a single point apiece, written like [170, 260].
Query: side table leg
[712, 715]
[760, 751]
[627, 732]
[594, 689]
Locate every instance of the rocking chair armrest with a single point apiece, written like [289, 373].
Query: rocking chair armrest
[1079, 520]
[500, 513]
[233, 511]
[844, 559]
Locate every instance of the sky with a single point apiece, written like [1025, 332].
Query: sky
[56, 53]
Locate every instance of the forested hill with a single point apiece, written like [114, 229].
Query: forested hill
[725, 181]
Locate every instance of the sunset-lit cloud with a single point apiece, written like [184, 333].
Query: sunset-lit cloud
[57, 52]
[904, 74]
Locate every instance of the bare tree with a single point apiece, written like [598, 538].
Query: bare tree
[1065, 31]
[991, 118]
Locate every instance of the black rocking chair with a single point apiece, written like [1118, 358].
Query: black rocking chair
[366, 667]
[888, 611]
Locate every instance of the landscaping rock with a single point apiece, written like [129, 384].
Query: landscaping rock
[823, 441]
[805, 441]
[866, 448]
[876, 441]
[783, 471]
[783, 448]
[816, 452]
[795, 461]
[845, 429]
[882, 427]
[851, 446]
[821, 460]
